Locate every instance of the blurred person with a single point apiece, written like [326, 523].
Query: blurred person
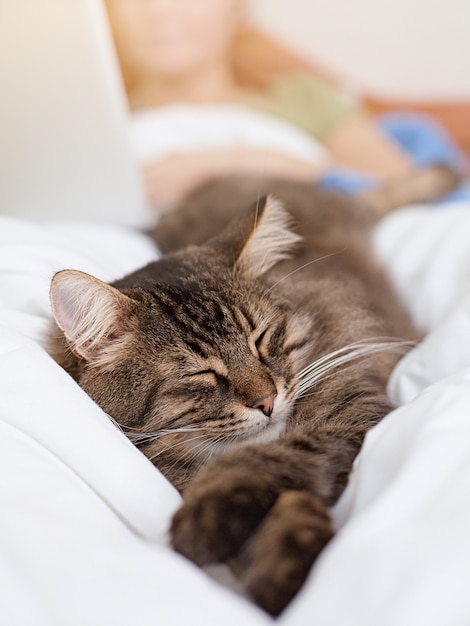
[180, 52]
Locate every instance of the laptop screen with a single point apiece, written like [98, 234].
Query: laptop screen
[65, 148]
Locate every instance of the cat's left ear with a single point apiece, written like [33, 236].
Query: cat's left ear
[94, 316]
[259, 239]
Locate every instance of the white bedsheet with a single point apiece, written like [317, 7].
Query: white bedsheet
[84, 515]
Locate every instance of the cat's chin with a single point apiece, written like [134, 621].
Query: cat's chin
[271, 431]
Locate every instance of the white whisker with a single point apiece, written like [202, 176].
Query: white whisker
[322, 258]
[196, 451]
[175, 445]
[200, 449]
[117, 424]
[141, 438]
[321, 369]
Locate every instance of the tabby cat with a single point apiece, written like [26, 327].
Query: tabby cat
[247, 365]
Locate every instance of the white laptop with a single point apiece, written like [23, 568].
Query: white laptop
[64, 145]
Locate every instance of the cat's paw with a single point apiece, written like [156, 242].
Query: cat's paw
[218, 517]
[276, 561]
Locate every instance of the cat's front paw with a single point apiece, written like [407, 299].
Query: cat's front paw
[218, 517]
[276, 561]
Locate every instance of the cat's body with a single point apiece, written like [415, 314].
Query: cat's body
[205, 359]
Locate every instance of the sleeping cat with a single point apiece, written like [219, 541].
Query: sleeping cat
[247, 365]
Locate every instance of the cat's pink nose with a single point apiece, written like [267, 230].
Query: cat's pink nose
[265, 404]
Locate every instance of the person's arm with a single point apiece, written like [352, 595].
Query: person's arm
[167, 180]
[355, 141]
[357, 144]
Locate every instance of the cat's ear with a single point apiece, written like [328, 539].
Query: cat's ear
[94, 317]
[260, 239]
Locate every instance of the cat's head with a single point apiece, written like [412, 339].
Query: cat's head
[193, 354]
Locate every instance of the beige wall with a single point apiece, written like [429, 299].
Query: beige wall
[390, 48]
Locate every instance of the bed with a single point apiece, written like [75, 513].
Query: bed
[84, 515]
[83, 529]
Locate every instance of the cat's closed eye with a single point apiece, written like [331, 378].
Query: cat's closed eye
[269, 342]
[209, 376]
[261, 346]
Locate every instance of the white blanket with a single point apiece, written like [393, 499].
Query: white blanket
[84, 515]
[160, 131]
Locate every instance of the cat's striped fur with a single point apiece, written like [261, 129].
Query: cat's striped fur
[248, 368]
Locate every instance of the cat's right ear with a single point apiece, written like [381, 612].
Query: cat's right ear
[94, 317]
[258, 240]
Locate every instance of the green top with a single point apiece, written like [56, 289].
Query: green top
[311, 104]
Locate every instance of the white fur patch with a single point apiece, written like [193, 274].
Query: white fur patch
[86, 309]
[272, 240]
